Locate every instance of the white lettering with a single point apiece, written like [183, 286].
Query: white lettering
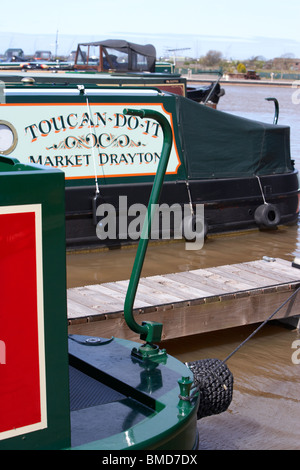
[114, 460]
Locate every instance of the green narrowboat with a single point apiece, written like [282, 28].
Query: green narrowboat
[238, 170]
[112, 62]
[78, 392]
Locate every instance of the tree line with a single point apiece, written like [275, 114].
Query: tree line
[214, 59]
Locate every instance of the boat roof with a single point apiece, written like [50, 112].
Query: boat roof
[75, 90]
[122, 46]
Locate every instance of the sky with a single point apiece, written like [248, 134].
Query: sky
[259, 27]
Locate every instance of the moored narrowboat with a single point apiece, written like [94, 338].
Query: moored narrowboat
[114, 62]
[238, 170]
[85, 392]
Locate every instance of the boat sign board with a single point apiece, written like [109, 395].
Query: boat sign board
[22, 356]
[86, 140]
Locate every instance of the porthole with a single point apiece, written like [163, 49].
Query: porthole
[8, 137]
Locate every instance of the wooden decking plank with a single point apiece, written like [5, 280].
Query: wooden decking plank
[161, 297]
[178, 282]
[284, 262]
[120, 296]
[165, 294]
[87, 301]
[255, 274]
[153, 294]
[271, 271]
[164, 284]
[99, 303]
[273, 266]
[99, 299]
[277, 266]
[77, 310]
[288, 269]
[221, 278]
[116, 288]
[230, 278]
[237, 273]
[75, 296]
[211, 279]
[190, 279]
[268, 276]
[145, 295]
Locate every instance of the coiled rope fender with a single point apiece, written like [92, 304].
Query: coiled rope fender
[214, 381]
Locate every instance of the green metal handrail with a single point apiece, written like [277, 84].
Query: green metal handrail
[149, 331]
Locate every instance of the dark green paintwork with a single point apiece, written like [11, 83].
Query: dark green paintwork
[33, 185]
[173, 422]
[156, 385]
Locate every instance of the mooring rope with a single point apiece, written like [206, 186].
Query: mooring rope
[81, 89]
[93, 152]
[263, 324]
[190, 197]
[261, 189]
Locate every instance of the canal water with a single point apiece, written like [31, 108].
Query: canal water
[265, 410]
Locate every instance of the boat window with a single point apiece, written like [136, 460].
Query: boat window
[139, 62]
[44, 55]
[114, 59]
[81, 57]
[88, 55]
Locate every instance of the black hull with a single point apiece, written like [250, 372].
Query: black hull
[229, 204]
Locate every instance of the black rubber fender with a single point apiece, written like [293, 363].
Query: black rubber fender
[267, 215]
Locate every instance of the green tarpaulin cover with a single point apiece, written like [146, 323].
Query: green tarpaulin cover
[219, 145]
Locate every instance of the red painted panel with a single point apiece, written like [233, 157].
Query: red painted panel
[20, 400]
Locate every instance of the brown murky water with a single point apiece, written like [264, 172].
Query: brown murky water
[265, 411]
[106, 266]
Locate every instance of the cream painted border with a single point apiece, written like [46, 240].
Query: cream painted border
[37, 209]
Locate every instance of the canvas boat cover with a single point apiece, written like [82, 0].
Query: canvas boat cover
[129, 48]
[220, 145]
